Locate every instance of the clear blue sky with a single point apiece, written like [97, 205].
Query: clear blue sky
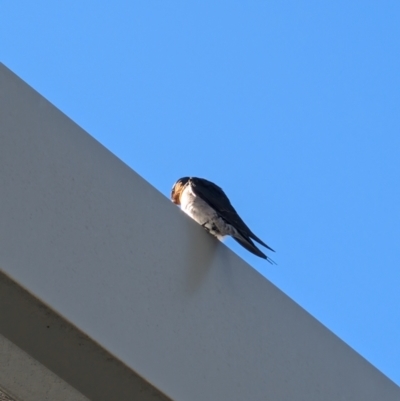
[292, 107]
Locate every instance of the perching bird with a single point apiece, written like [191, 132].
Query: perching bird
[208, 205]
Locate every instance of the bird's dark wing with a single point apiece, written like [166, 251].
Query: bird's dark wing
[214, 196]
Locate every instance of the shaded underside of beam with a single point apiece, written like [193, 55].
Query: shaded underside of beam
[63, 349]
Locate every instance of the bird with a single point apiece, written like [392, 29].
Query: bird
[207, 204]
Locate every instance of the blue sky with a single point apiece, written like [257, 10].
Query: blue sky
[292, 107]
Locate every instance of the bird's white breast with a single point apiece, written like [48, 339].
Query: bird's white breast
[204, 214]
[195, 207]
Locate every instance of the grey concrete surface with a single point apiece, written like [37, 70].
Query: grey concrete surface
[24, 378]
[6, 397]
[107, 256]
[64, 350]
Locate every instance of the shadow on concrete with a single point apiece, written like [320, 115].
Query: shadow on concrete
[201, 254]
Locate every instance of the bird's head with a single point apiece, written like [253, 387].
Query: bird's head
[177, 189]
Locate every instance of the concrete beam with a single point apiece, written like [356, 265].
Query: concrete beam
[115, 290]
[27, 379]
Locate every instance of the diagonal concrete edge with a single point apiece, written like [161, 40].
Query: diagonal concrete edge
[143, 284]
[24, 378]
[66, 351]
